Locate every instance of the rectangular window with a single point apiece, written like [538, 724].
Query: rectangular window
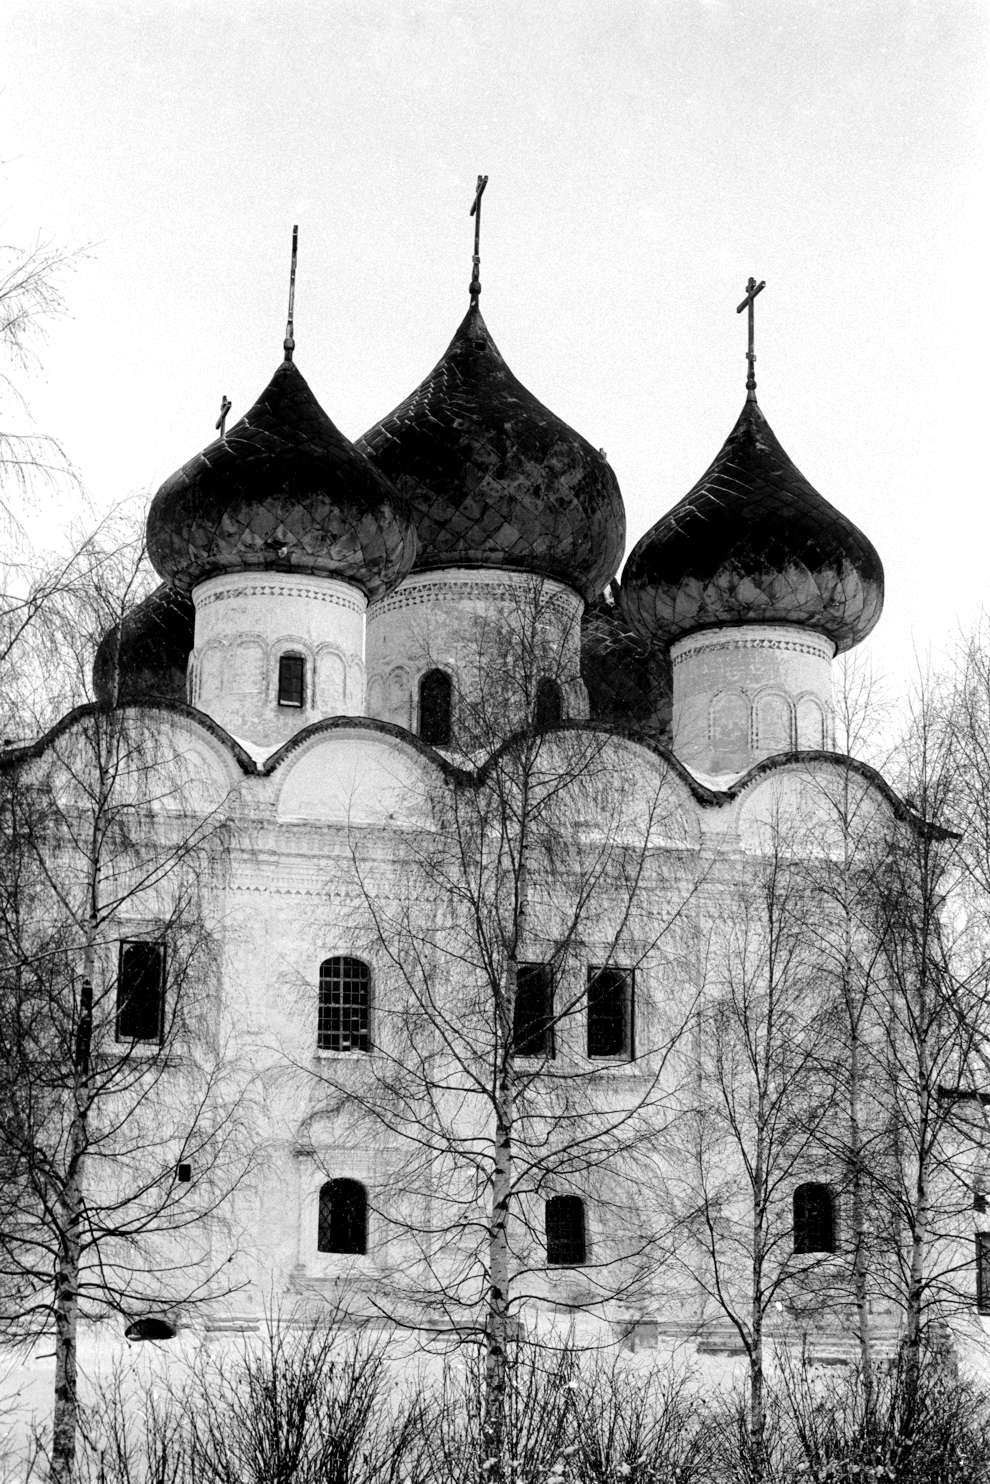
[291, 669]
[344, 1004]
[610, 1012]
[983, 1272]
[532, 1026]
[141, 992]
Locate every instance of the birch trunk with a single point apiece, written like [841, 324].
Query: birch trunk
[65, 1411]
[497, 1317]
[858, 1202]
[757, 1405]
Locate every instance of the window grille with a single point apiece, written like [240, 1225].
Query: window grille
[564, 1225]
[983, 1272]
[532, 1025]
[343, 1016]
[610, 1012]
[343, 1218]
[549, 709]
[814, 1219]
[435, 708]
[141, 991]
[291, 677]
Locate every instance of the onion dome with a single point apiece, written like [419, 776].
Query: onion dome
[753, 542]
[144, 657]
[281, 491]
[492, 477]
[629, 684]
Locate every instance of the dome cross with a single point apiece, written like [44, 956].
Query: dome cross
[289, 344]
[475, 211]
[752, 289]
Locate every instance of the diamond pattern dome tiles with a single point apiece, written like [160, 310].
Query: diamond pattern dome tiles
[493, 478]
[629, 684]
[149, 651]
[753, 542]
[284, 491]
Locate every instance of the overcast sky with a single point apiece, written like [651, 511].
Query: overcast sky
[645, 157]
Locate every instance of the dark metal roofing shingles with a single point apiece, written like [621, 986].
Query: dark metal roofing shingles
[629, 684]
[753, 542]
[494, 479]
[144, 657]
[283, 491]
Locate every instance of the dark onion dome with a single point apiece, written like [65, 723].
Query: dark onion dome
[493, 478]
[283, 491]
[629, 684]
[753, 542]
[144, 657]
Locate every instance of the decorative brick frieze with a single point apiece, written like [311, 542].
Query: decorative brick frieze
[822, 650]
[280, 590]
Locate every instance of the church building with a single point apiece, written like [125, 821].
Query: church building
[493, 822]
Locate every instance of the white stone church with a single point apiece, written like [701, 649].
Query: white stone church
[353, 646]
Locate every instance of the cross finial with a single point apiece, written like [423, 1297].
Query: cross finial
[289, 344]
[752, 289]
[479, 191]
[221, 422]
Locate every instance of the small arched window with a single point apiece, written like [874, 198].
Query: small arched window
[564, 1223]
[435, 708]
[814, 1219]
[343, 1220]
[291, 680]
[344, 1011]
[549, 709]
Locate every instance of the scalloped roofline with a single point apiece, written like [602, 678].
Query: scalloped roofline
[12, 757]
[708, 798]
[869, 774]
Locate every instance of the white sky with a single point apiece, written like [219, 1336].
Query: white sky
[645, 157]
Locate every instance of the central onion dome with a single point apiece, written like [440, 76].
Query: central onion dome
[282, 491]
[493, 478]
[753, 542]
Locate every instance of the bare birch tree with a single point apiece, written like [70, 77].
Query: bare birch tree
[536, 942]
[755, 1111]
[120, 1123]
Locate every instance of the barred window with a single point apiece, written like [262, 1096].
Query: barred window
[141, 991]
[343, 1219]
[983, 1272]
[814, 1219]
[532, 1024]
[343, 1017]
[564, 1224]
[435, 708]
[549, 709]
[610, 1012]
[291, 680]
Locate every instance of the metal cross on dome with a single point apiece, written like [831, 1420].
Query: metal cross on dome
[752, 289]
[475, 211]
[289, 344]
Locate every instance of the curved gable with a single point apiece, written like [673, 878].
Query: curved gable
[355, 774]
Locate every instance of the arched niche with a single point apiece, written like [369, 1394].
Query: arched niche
[331, 683]
[810, 723]
[773, 723]
[728, 722]
[398, 699]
